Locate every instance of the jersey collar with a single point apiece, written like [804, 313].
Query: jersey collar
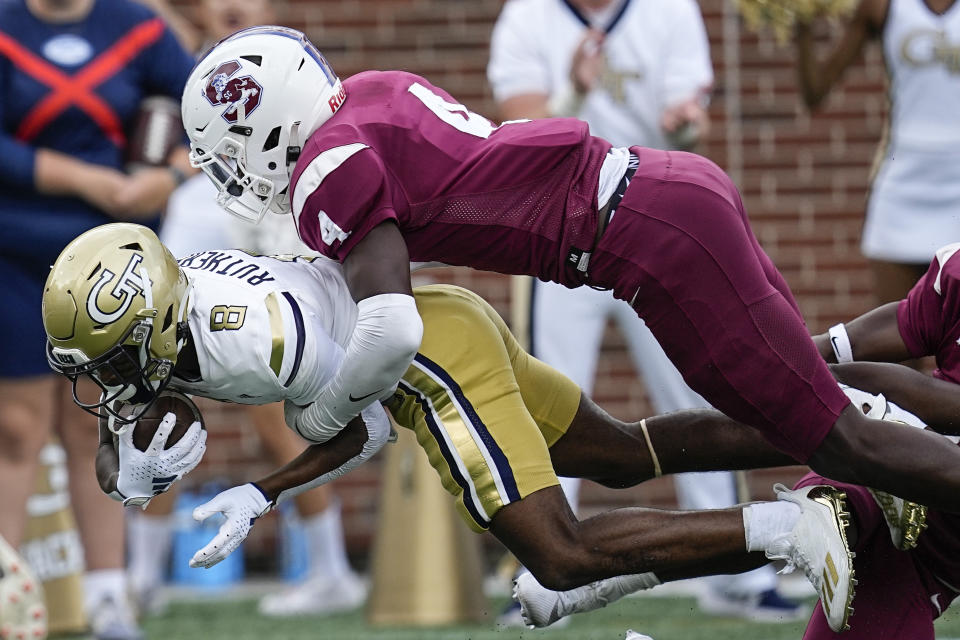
[610, 25]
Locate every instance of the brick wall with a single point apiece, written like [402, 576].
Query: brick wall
[803, 179]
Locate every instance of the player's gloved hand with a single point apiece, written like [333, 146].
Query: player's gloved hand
[241, 506]
[145, 474]
[872, 406]
[879, 408]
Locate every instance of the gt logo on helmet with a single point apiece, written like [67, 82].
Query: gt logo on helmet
[128, 286]
[223, 89]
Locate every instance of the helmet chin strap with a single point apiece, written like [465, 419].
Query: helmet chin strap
[184, 312]
[112, 425]
[293, 145]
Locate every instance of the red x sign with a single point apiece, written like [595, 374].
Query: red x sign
[77, 89]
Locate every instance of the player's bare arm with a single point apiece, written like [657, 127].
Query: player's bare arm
[316, 461]
[818, 75]
[874, 336]
[936, 402]
[379, 264]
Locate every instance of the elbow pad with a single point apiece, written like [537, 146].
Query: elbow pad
[384, 342]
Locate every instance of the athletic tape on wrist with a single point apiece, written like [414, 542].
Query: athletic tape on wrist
[840, 342]
[657, 471]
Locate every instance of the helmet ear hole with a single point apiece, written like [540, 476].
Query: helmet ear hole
[273, 139]
[167, 319]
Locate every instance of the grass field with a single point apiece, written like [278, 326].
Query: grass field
[663, 618]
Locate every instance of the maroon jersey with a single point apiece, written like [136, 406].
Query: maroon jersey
[513, 199]
[929, 323]
[929, 317]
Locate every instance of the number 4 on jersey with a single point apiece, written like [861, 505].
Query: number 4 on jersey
[455, 114]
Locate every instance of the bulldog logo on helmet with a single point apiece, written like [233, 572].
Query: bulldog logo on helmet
[223, 89]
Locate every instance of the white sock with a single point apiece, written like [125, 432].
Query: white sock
[148, 542]
[104, 583]
[766, 521]
[328, 555]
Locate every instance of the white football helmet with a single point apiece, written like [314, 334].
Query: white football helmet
[249, 106]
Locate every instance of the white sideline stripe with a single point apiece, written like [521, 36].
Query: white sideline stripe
[453, 451]
[317, 171]
[494, 471]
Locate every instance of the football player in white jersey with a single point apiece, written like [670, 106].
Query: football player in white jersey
[497, 425]
[637, 72]
[194, 223]
[911, 210]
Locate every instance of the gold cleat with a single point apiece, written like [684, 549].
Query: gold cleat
[818, 546]
[906, 520]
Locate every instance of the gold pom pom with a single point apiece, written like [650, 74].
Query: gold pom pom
[781, 16]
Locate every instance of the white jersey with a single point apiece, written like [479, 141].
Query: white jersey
[657, 55]
[266, 328]
[922, 53]
[913, 199]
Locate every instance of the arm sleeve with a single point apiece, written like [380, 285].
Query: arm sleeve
[378, 433]
[924, 315]
[689, 70]
[16, 158]
[384, 342]
[339, 197]
[515, 66]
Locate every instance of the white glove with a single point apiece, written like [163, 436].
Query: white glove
[241, 506]
[872, 406]
[145, 474]
[879, 408]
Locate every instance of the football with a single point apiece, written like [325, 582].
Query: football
[168, 402]
[155, 132]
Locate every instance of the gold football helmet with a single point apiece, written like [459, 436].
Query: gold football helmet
[115, 309]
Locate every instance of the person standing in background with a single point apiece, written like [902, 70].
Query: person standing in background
[194, 223]
[638, 72]
[72, 74]
[912, 206]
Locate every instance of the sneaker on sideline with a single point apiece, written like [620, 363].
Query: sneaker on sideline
[316, 596]
[766, 606]
[113, 619]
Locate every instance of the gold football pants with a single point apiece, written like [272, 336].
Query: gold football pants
[484, 410]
